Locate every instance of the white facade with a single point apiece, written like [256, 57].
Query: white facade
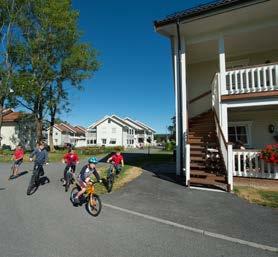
[115, 131]
[17, 128]
[226, 61]
[63, 134]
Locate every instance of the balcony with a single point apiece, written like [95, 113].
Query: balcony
[251, 82]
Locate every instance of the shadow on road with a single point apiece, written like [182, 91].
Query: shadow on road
[162, 165]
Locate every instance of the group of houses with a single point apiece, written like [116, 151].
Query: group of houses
[225, 67]
[108, 131]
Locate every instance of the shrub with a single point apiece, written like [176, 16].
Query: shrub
[94, 150]
[270, 154]
[170, 146]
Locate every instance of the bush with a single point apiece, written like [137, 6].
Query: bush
[94, 150]
[170, 146]
[6, 147]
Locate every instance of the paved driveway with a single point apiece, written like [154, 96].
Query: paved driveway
[149, 217]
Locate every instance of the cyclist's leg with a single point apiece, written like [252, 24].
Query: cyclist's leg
[83, 188]
[118, 169]
[65, 173]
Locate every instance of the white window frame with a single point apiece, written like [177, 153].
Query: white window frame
[248, 125]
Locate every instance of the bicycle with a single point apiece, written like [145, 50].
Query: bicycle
[69, 178]
[35, 179]
[110, 178]
[92, 200]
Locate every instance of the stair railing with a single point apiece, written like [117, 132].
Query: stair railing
[226, 148]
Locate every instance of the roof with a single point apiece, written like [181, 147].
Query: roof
[124, 121]
[140, 124]
[105, 118]
[146, 126]
[80, 129]
[199, 10]
[11, 116]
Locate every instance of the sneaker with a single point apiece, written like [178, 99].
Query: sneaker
[76, 200]
[12, 177]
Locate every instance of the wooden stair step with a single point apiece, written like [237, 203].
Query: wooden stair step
[197, 153]
[194, 166]
[197, 158]
[207, 181]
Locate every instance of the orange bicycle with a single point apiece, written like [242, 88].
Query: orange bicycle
[89, 198]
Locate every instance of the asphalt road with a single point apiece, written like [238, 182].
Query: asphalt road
[47, 225]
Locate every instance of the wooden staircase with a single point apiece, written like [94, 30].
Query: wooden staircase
[202, 135]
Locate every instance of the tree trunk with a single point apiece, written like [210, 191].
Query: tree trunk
[51, 143]
[39, 127]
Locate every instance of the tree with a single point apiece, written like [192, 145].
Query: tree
[172, 128]
[9, 12]
[49, 56]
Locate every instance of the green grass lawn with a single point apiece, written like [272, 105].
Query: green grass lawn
[259, 196]
[127, 174]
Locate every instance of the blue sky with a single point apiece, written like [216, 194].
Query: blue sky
[135, 78]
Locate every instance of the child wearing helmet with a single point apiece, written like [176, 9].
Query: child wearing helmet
[84, 177]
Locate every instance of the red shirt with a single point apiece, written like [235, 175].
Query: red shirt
[71, 158]
[117, 159]
[18, 154]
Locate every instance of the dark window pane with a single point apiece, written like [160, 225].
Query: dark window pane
[232, 138]
[242, 138]
[231, 130]
[241, 130]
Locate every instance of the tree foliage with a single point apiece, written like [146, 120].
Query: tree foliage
[49, 57]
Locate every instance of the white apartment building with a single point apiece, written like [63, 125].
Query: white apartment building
[113, 130]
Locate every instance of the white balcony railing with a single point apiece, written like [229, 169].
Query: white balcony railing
[247, 163]
[252, 79]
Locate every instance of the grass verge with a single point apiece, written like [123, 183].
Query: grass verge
[263, 197]
[128, 174]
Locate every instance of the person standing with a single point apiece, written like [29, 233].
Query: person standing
[18, 159]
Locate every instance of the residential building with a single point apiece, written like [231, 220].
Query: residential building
[113, 130]
[66, 133]
[17, 128]
[224, 57]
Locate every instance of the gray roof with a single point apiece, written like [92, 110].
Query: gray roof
[199, 10]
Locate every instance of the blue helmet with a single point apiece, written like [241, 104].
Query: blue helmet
[93, 160]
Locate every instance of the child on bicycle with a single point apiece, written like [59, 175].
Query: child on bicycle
[84, 177]
[41, 157]
[117, 160]
[18, 159]
[71, 159]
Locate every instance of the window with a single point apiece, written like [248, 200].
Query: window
[103, 141]
[91, 142]
[239, 131]
[56, 133]
[109, 121]
[114, 130]
[95, 142]
[113, 141]
[56, 140]
[88, 142]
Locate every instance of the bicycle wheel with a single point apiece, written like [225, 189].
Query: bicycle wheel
[110, 180]
[94, 205]
[68, 181]
[73, 193]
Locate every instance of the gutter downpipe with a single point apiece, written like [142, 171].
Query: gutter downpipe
[179, 92]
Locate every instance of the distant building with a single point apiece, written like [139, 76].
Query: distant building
[18, 128]
[113, 130]
[66, 133]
